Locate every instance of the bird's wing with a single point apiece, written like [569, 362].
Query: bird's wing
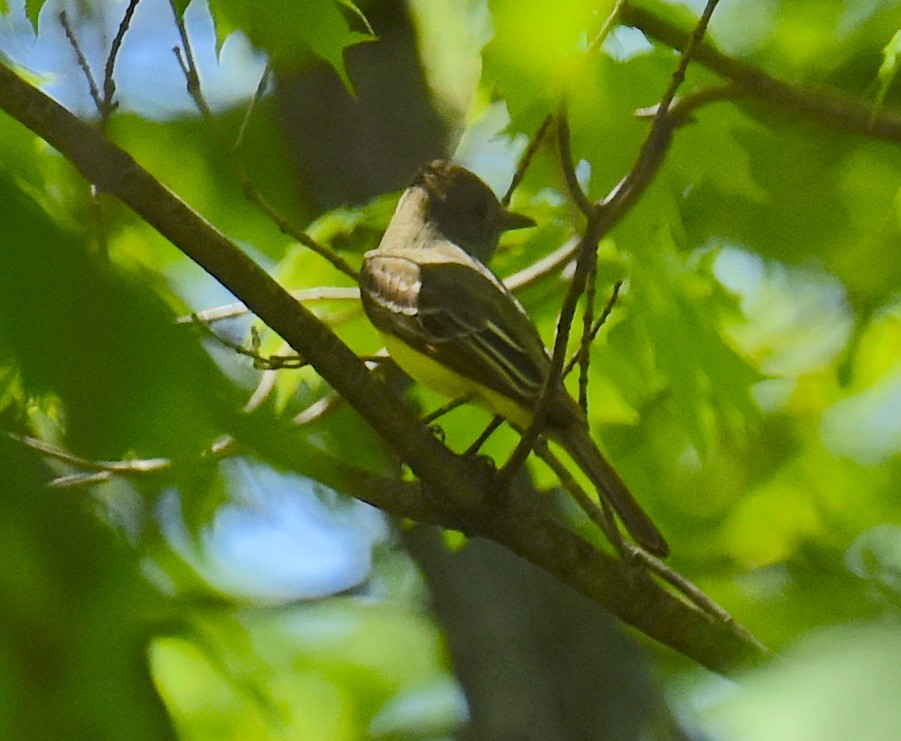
[456, 312]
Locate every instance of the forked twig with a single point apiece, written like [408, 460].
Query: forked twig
[602, 515]
[595, 328]
[81, 59]
[603, 215]
[109, 82]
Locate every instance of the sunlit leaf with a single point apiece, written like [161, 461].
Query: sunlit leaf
[889, 68]
[33, 10]
[291, 31]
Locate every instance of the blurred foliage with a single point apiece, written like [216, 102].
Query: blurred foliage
[747, 385]
[290, 32]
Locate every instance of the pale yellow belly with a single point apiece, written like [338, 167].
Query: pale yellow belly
[452, 384]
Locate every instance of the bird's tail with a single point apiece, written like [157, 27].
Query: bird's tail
[576, 440]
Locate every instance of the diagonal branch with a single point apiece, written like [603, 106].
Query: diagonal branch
[828, 106]
[453, 490]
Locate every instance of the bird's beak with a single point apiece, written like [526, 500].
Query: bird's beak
[510, 220]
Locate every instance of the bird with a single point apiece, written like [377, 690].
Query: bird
[450, 323]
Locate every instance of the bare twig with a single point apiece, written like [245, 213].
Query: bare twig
[260, 362]
[109, 83]
[600, 514]
[690, 590]
[317, 410]
[656, 144]
[82, 61]
[101, 470]
[567, 160]
[569, 170]
[288, 228]
[567, 369]
[548, 265]
[526, 159]
[257, 96]
[682, 107]
[584, 351]
[609, 22]
[679, 112]
[445, 409]
[484, 435]
[304, 295]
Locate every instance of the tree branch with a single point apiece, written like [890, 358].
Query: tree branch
[453, 490]
[827, 106]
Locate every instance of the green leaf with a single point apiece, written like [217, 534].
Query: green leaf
[833, 685]
[181, 6]
[33, 10]
[289, 31]
[183, 154]
[819, 195]
[129, 378]
[709, 382]
[889, 67]
[75, 612]
[536, 57]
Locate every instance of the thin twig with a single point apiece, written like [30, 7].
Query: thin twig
[564, 324]
[600, 514]
[563, 135]
[257, 96]
[318, 409]
[286, 227]
[445, 409]
[609, 22]
[682, 107]
[137, 466]
[526, 159]
[830, 107]
[656, 143]
[569, 170]
[689, 590]
[548, 265]
[82, 61]
[109, 83]
[260, 362]
[571, 363]
[584, 352]
[185, 57]
[484, 435]
[304, 295]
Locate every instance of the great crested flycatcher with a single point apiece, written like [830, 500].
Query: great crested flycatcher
[450, 323]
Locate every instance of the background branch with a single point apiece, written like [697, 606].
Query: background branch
[827, 106]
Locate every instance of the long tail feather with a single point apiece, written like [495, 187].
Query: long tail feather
[576, 440]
